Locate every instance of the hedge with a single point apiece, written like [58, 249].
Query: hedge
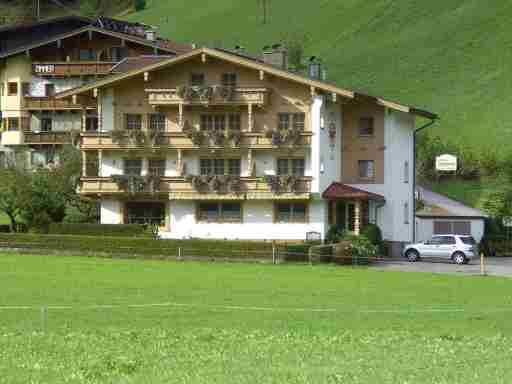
[97, 229]
[125, 246]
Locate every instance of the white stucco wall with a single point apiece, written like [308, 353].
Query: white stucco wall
[425, 227]
[398, 141]
[325, 158]
[257, 223]
[110, 212]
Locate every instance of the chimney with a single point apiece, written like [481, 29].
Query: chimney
[276, 55]
[150, 35]
[315, 69]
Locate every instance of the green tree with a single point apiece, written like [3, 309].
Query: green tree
[139, 4]
[15, 180]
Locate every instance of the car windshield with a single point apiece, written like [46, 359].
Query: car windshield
[468, 240]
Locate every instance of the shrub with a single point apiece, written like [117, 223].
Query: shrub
[355, 250]
[334, 235]
[97, 229]
[138, 246]
[373, 233]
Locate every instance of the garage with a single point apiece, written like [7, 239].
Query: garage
[440, 215]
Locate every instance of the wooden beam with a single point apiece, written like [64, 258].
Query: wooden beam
[203, 57]
[95, 92]
[89, 33]
[146, 76]
[262, 75]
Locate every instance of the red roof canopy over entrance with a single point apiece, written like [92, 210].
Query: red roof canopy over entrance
[339, 191]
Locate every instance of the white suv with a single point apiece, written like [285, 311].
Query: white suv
[460, 249]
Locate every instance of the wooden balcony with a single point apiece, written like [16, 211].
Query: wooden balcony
[63, 69]
[212, 95]
[179, 188]
[58, 138]
[178, 140]
[49, 103]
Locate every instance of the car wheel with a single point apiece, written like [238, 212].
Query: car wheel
[412, 255]
[459, 258]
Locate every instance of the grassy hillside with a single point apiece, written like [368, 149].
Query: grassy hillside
[449, 56]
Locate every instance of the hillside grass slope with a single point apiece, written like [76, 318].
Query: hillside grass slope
[451, 56]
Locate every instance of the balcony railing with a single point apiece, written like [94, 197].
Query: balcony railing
[47, 137]
[72, 68]
[50, 103]
[208, 95]
[179, 140]
[183, 188]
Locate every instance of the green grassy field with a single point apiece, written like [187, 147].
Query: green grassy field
[450, 56]
[119, 321]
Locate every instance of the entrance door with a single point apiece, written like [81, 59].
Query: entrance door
[341, 215]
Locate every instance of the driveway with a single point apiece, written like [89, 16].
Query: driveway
[495, 266]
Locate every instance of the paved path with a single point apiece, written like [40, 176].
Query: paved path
[496, 266]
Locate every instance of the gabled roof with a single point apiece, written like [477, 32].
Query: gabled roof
[95, 26]
[437, 205]
[249, 63]
[339, 191]
[132, 63]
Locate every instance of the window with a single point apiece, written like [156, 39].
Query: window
[219, 122]
[452, 227]
[157, 167]
[206, 167]
[133, 121]
[206, 122]
[145, 213]
[366, 126]
[12, 89]
[366, 169]
[291, 213]
[406, 172]
[49, 90]
[234, 167]
[87, 55]
[46, 124]
[220, 166]
[229, 79]
[282, 167]
[219, 212]
[25, 89]
[406, 213]
[234, 121]
[298, 121]
[283, 121]
[157, 122]
[197, 79]
[298, 167]
[91, 122]
[13, 124]
[118, 53]
[133, 167]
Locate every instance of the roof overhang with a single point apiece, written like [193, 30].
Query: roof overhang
[339, 191]
[79, 31]
[316, 85]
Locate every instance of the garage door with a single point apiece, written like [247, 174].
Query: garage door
[452, 227]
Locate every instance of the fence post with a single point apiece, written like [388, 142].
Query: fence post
[44, 318]
[482, 264]
[273, 252]
[179, 253]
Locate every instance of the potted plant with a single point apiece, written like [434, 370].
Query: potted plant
[196, 136]
[216, 137]
[118, 135]
[136, 137]
[273, 182]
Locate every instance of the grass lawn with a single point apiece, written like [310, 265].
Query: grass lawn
[4, 220]
[247, 323]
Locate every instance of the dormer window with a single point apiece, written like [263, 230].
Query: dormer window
[197, 79]
[229, 80]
